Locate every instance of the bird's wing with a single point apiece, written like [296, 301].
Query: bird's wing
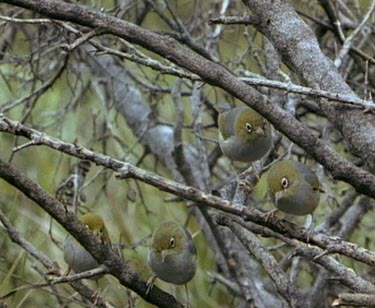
[312, 179]
[226, 123]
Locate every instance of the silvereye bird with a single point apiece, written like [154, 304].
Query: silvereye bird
[244, 135]
[294, 188]
[77, 257]
[172, 256]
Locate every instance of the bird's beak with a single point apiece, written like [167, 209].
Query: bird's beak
[260, 131]
[278, 196]
[164, 254]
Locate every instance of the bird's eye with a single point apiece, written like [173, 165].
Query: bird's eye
[172, 242]
[284, 182]
[249, 127]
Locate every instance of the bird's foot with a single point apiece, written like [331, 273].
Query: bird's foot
[244, 184]
[270, 214]
[150, 283]
[309, 234]
[54, 269]
[309, 225]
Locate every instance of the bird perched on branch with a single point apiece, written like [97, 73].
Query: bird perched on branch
[293, 187]
[244, 135]
[77, 257]
[172, 255]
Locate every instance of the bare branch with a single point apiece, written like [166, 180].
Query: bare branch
[217, 75]
[101, 252]
[127, 170]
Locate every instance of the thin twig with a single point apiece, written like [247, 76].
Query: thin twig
[348, 42]
[351, 100]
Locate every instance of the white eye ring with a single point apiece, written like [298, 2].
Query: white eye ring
[172, 242]
[248, 127]
[284, 182]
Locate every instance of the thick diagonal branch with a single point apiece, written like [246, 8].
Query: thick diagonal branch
[102, 253]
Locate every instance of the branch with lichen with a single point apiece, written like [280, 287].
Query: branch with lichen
[127, 170]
